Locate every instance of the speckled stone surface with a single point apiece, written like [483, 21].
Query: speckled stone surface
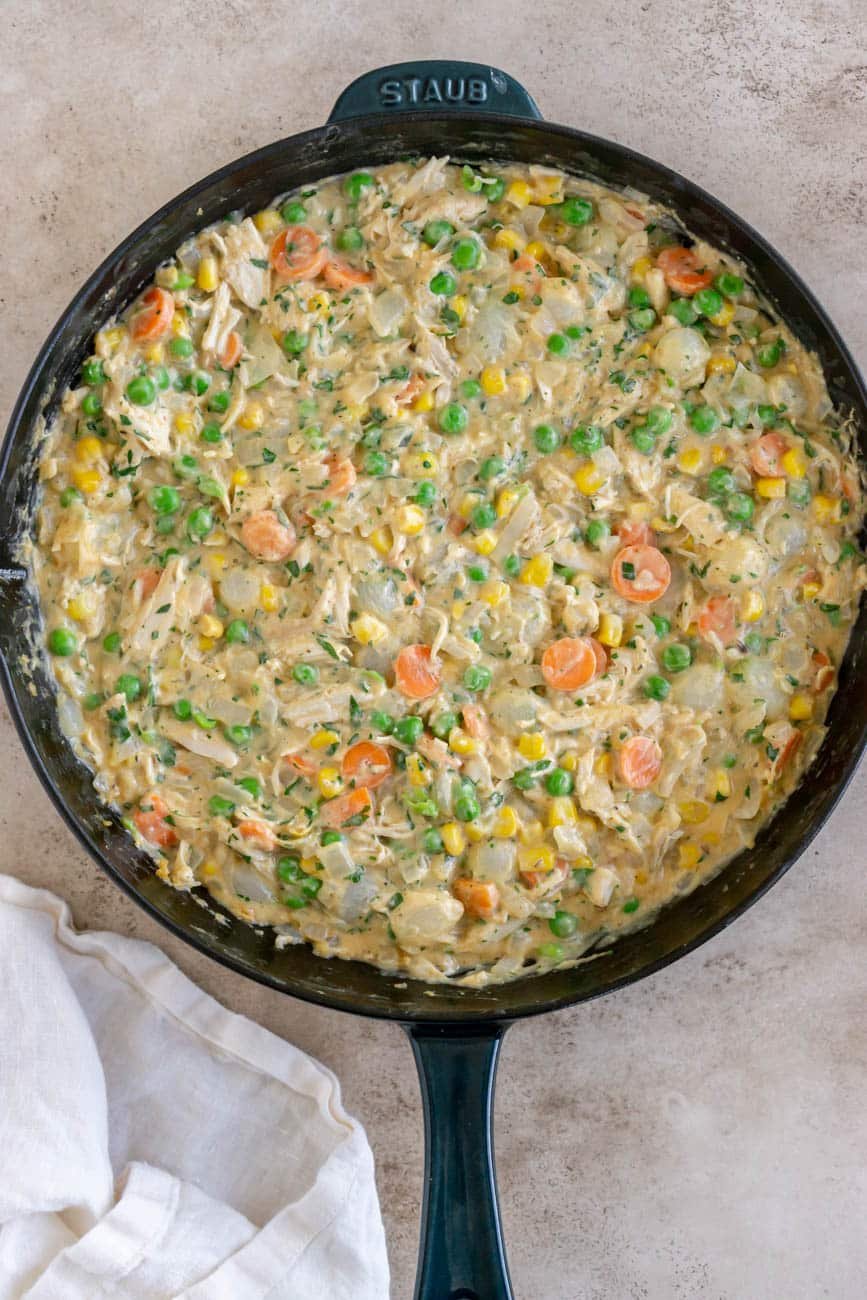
[703, 1134]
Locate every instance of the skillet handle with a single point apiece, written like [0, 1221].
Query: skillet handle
[431, 85]
[461, 1254]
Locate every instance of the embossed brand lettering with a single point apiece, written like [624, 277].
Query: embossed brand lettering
[432, 90]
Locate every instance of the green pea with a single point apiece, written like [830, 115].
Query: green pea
[683, 311]
[740, 507]
[111, 643]
[470, 389]
[453, 418]
[731, 285]
[220, 807]
[444, 724]
[444, 284]
[68, 495]
[293, 212]
[305, 674]
[92, 373]
[182, 709]
[355, 185]
[141, 391]
[659, 420]
[199, 382]
[491, 467]
[251, 785]
[767, 414]
[436, 231]
[676, 657]
[643, 439]
[558, 345]
[164, 500]
[559, 782]
[656, 688]
[91, 405]
[202, 720]
[211, 433]
[289, 868]
[185, 466]
[425, 493]
[642, 319]
[330, 837]
[219, 403]
[770, 355]
[294, 342]
[350, 239]
[704, 420]
[92, 701]
[798, 491]
[511, 566]
[62, 642]
[238, 735]
[563, 924]
[707, 301]
[596, 532]
[483, 516]
[408, 730]
[586, 439]
[381, 722]
[575, 211]
[721, 480]
[466, 253]
[199, 522]
[661, 625]
[638, 297]
[546, 438]
[477, 572]
[376, 464]
[476, 677]
[128, 685]
[238, 632]
[551, 951]
[161, 375]
[466, 806]
[432, 841]
[495, 189]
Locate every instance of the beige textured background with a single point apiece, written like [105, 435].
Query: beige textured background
[703, 1134]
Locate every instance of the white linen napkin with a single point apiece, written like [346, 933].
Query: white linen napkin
[153, 1145]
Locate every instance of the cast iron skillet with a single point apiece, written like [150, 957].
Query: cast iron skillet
[473, 113]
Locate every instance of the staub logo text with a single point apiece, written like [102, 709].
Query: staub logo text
[398, 93]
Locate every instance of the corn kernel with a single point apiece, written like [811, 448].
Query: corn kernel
[318, 302]
[640, 267]
[268, 221]
[410, 520]
[521, 386]
[509, 238]
[536, 857]
[485, 542]
[216, 563]
[269, 598]
[589, 478]
[460, 742]
[603, 765]
[723, 317]
[210, 625]
[88, 450]
[206, 277]
[329, 782]
[532, 745]
[180, 325]
[691, 460]
[80, 607]
[417, 771]
[688, 856]
[531, 832]
[719, 454]
[771, 488]
[86, 480]
[752, 606]
[184, 423]
[661, 525]
[537, 572]
[693, 811]
[324, 739]
[421, 464]
[154, 354]
[381, 540]
[453, 838]
[641, 877]
[240, 478]
[721, 786]
[206, 643]
[468, 503]
[459, 608]
[474, 833]
[518, 290]
[810, 590]
[561, 811]
[793, 463]
[518, 193]
[423, 403]
[459, 305]
[536, 249]
[506, 823]
[801, 707]
[368, 630]
[207, 870]
[569, 762]
[610, 631]
[493, 380]
[691, 629]
[495, 593]
[826, 509]
[253, 417]
[108, 340]
[507, 499]
[721, 364]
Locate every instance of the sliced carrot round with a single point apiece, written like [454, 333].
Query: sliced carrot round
[639, 762]
[152, 318]
[415, 674]
[339, 274]
[258, 833]
[266, 537]
[232, 351]
[366, 764]
[640, 573]
[824, 674]
[148, 581]
[635, 532]
[479, 897]
[766, 454]
[353, 806]
[719, 619]
[682, 270]
[151, 823]
[601, 654]
[475, 721]
[341, 475]
[569, 663]
[299, 763]
[298, 253]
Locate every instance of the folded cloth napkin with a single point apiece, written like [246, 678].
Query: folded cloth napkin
[154, 1145]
